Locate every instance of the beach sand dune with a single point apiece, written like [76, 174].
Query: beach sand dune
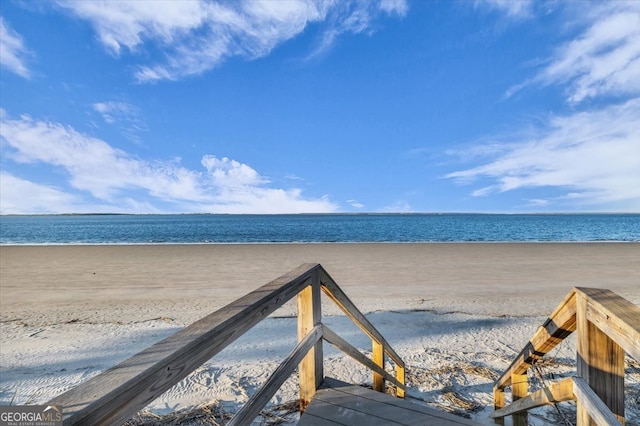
[457, 312]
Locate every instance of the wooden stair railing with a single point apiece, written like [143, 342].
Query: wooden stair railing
[607, 326]
[115, 395]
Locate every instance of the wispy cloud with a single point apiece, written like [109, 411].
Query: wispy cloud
[603, 60]
[538, 202]
[113, 112]
[517, 9]
[125, 183]
[591, 156]
[13, 52]
[399, 7]
[21, 196]
[123, 115]
[355, 204]
[355, 18]
[594, 157]
[199, 35]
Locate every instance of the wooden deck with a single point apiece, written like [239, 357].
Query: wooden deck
[339, 403]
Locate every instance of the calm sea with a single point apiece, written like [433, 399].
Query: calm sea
[164, 229]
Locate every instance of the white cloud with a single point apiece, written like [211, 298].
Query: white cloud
[13, 53]
[354, 17]
[127, 23]
[231, 174]
[198, 35]
[590, 156]
[115, 111]
[122, 182]
[399, 7]
[20, 196]
[538, 202]
[266, 201]
[594, 156]
[124, 116]
[355, 204]
[512, 8]
[603, 60]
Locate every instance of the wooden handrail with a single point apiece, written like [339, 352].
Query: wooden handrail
[380, 346]
[335, 293]
[116, 394]
[617, 317]
[556, 392]
[258, 400]
[560, 324]
[607, 327]
[337, 341]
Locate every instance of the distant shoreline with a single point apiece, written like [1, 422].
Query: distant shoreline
[331, 214]
[261, 243]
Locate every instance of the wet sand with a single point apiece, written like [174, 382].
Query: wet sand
[103, 283]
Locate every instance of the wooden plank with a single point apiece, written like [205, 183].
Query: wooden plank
[600, 362]
[310, 316]
[378, 359]
[336, 294]
[498, 403]
[349, 412]
[593, 405]
[400, 375]
[115, 395]
[389, 401]
[616, 317]
[258, 400]
[560, 324]
[556, 392]
[386, 399]
[337, 341]
[519, 389]
[355, 405]
[311, 418]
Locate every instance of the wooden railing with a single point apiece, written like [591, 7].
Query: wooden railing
[118, 393]
[607, 326]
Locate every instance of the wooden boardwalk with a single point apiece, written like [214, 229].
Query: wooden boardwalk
[339, 403]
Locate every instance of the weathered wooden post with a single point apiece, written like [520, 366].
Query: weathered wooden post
[401, 379]
[520, 389]
[498, 403]
[378, 359]
[309, 315]
[600, 362]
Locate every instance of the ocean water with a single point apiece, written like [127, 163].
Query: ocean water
[180, 229]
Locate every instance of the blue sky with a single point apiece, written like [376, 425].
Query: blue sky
[319, 106]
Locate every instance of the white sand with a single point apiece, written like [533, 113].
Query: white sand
[456, 313]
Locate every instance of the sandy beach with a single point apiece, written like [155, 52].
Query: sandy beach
[457, 312]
